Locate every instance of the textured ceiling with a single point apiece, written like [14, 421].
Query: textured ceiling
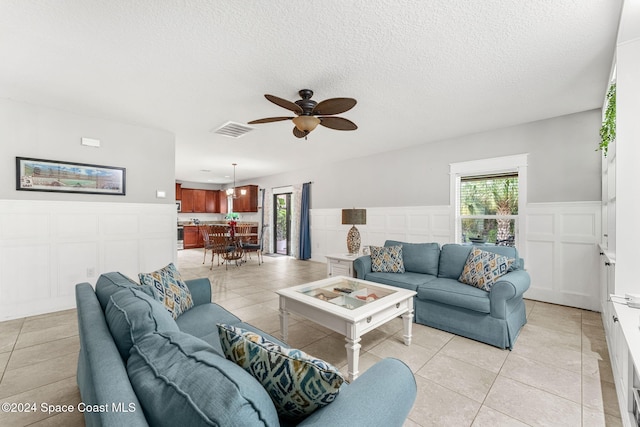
[421, 71]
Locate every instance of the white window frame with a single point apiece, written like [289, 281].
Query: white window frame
[493, 166]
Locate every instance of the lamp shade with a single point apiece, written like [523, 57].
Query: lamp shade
[306, 123]
[354, 216]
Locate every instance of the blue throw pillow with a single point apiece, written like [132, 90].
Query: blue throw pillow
[131, 314]
[169, 289]
[110, 283]
[181, 381]
[386, 259]
[297, 383]
[483, 269]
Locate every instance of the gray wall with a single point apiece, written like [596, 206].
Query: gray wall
[563, 167]
[28, 130]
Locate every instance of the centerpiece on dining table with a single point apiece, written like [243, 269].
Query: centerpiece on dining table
[232, 218]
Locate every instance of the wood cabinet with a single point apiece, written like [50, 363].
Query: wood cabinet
[247, 202]
[201, 201]
[193, 200]
[211, 204]
[193, 237]
[222, 202]
[191, 234]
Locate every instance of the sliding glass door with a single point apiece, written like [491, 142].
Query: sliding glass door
[282, 221]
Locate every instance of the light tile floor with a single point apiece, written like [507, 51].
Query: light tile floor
[557, 375]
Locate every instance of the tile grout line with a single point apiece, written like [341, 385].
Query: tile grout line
[11, 351]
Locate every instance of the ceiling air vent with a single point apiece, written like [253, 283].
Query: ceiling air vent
[233, 129]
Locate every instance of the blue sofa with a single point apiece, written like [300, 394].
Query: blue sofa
[443, 302]
[138, 366]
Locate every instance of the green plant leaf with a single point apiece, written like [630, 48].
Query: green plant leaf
[608, 128]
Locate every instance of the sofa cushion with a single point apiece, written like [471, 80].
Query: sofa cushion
[419, 257]
[452, 292]
[131, 313]
[408, 280]
[452, 259]
[181, 381]
[297, 383]
[192, 323]
[110, 283]
[386, 259]
[169, 289]
[483, 268]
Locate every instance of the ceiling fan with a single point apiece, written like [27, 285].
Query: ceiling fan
[311, 113]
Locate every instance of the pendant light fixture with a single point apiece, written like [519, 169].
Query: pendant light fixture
[232, 191]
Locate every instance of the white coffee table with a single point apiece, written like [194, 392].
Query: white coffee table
[353, 314]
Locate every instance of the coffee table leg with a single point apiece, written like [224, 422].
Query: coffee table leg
[284, 320]
[407, 319]
[353, 355]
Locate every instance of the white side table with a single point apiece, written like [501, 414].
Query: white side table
[341, 265]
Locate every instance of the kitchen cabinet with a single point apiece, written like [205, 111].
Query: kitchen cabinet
[222, 202]
[247, 202]
[191, 234]
[193, 237]
[193, 200]
[211, 204]
[202, 201]
[178, 191]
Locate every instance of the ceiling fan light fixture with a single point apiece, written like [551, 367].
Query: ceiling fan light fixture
[306, 123]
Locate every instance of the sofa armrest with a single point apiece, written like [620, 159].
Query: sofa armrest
[362, 266]
[382, 396]
[200, 290]
[511, 285]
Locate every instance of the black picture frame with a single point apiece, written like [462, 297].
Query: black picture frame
[69, 177]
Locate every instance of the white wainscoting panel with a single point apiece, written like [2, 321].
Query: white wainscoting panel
[407, 224]
[562, 253]
[47, 247]
[559, 243]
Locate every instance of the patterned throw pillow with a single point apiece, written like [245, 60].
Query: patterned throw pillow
[297, 383]
[387, 259]
[169, 289]
[483, 268]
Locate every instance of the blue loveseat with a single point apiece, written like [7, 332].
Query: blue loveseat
[160, 371]
[443, 302]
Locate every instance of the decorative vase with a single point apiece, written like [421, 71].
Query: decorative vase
[353, 241]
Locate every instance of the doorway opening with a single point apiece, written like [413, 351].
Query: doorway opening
[282, 220]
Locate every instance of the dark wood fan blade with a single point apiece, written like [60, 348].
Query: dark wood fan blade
[285, 104]
[337, 123]
[334, 106]
[299, 133]
[268, 120]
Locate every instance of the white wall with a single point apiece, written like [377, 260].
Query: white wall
[406, 194]
[563, 167]
[28, 130]
[627, 153]
[51, 241]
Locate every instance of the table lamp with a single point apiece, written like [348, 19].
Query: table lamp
[353, 217]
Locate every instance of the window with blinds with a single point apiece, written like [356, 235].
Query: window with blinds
[489, 208]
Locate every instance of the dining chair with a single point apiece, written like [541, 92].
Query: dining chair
[205, 232]
[218, 236]
[256, 247]
[233, 252]
[243, 232]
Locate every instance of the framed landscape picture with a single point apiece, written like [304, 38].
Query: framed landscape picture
[68, 177]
